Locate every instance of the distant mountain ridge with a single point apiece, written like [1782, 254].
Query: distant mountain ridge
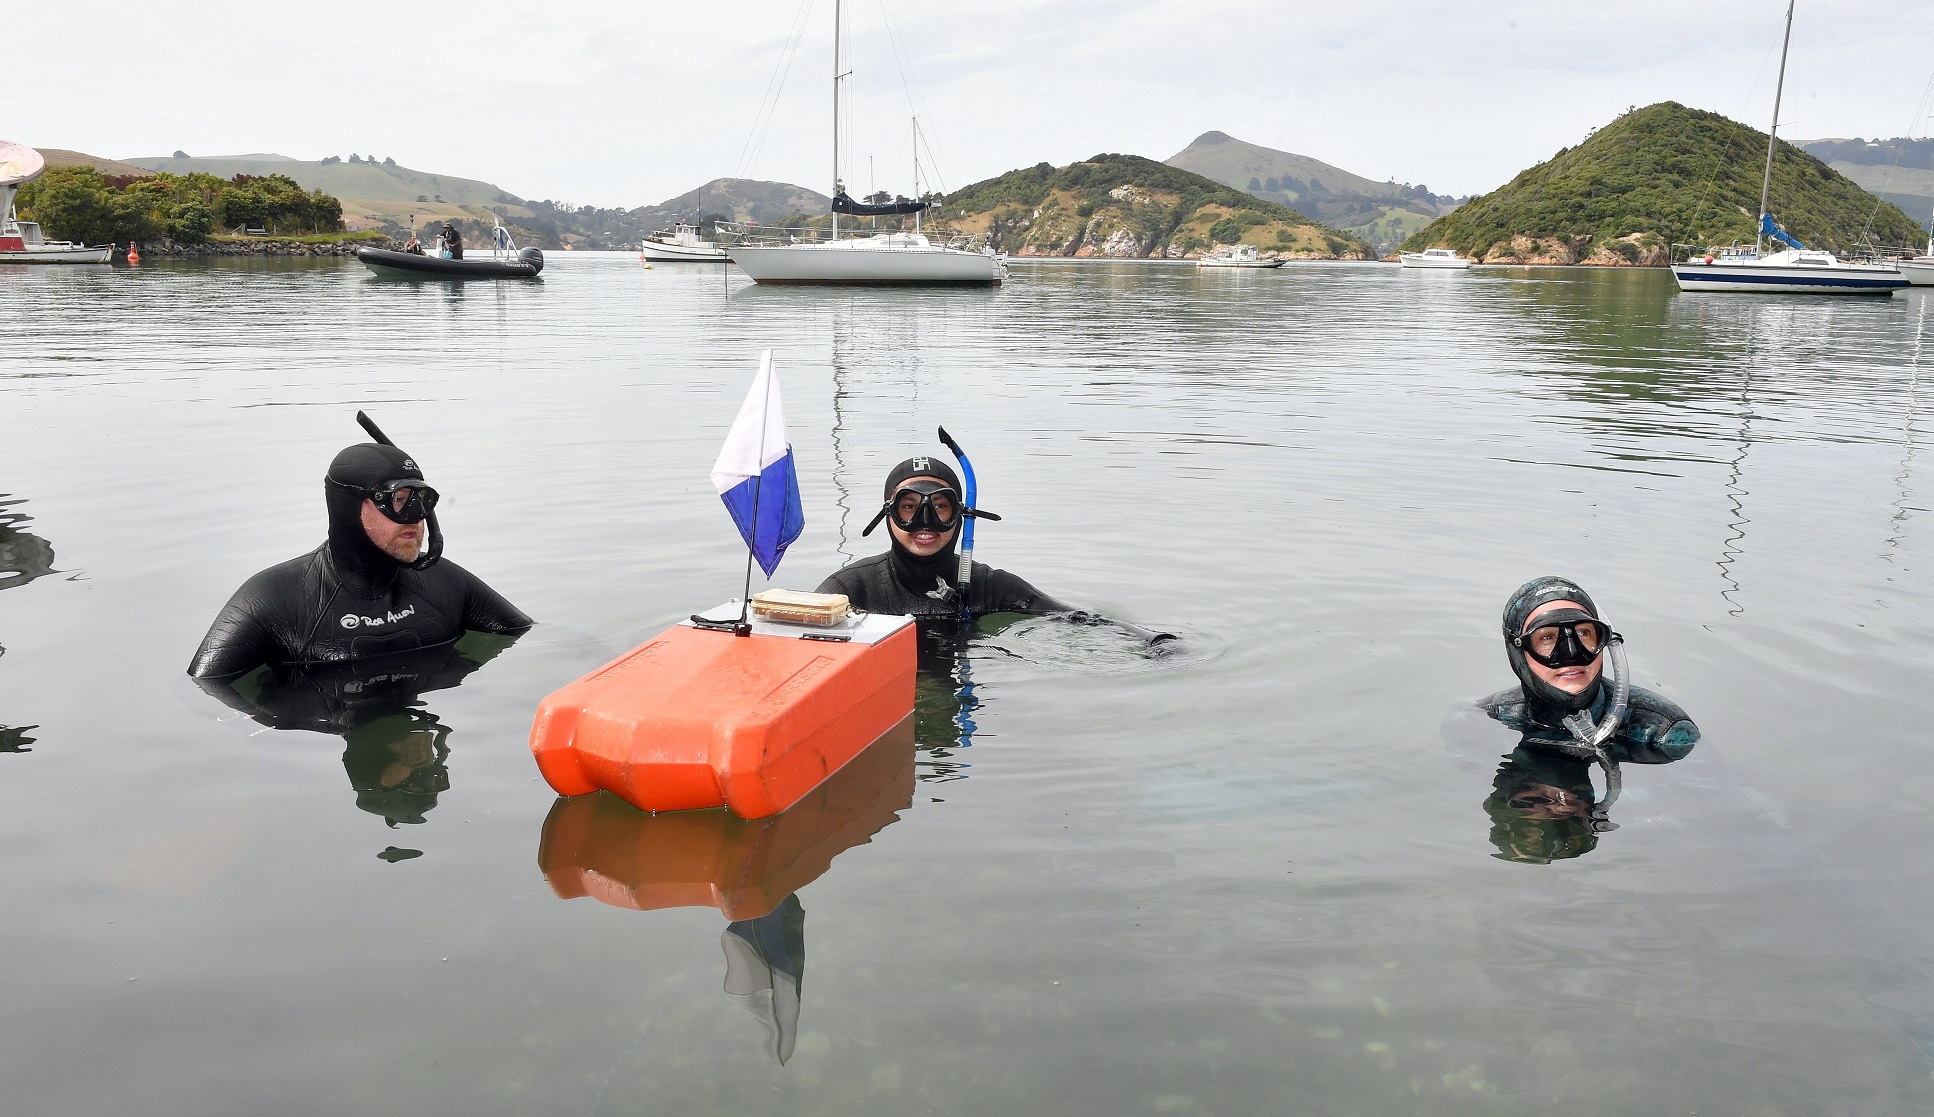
[739, 199]
[1380, 212]
[1128, 206]
[1900, 170]
[1658, 175]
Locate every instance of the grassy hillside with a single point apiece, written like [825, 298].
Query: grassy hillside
[1128, 206]
[1382, 213]
[61, 157]
[1657, 175]
[363, 180]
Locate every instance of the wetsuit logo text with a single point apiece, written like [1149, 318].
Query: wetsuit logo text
[351, 620]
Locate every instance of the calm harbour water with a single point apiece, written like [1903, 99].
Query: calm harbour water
[1254, 878]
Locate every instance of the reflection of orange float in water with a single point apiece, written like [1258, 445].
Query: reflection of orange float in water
[701, 718]
[602, 847]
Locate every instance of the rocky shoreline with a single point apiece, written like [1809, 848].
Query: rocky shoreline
[168, 248]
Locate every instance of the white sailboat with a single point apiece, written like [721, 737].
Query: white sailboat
[681, 243]
[792, 256]
[1795, 270]
[20, 241]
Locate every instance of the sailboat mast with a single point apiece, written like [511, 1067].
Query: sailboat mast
[916, 172]
[1772, 134]
[837, 77]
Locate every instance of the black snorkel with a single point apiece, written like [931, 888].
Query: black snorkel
[429, 557]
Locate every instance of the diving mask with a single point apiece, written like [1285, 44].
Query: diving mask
[405, 500]
[923, 506]
[1565, 638]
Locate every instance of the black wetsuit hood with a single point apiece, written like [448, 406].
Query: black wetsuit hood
[1548, 702]
[926, 575]
[354, 471]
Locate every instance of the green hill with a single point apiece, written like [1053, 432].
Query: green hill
[1128, 206]
[1657, 175]
[1381, 212]
[364, 180]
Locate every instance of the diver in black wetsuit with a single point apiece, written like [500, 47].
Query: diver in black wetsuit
[1556, 645]
[1563, 716]
[919, 574]
[370, 589]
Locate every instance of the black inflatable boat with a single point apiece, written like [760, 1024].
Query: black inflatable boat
[388, 261]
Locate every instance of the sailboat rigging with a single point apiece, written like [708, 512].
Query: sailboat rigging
[770, 255]
[1796, 269]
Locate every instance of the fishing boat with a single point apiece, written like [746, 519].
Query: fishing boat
[681, 243]
[1237, 256]
[21, 242]
[1434, 258]
[1796, 269]
[770, 255]
[506, 261]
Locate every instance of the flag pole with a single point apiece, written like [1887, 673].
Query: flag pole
[744, 627]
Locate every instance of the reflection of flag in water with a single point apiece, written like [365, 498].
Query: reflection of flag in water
[754, 473]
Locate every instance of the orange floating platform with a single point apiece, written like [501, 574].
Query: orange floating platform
[601, 847]
[701, 718]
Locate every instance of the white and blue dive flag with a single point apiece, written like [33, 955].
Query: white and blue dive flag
[754, 473]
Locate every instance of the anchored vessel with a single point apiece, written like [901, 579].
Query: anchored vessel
[797, 256]
[20, 241]
[1795, 270]
[1433, 258]
[681, 243]
[1238, 256]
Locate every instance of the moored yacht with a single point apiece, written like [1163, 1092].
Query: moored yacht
[681, 243]
[771, 255]
[1795, 270]
[1803, 271]
[21, 241]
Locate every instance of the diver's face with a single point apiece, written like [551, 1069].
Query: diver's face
[922, 543]
[399, 541]
[1546, 803]
[1571, 680]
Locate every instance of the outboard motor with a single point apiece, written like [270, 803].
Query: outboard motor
[532, 256]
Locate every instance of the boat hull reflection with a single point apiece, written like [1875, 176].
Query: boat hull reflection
[600, 846]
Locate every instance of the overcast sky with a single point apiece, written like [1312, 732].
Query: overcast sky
[632, 103]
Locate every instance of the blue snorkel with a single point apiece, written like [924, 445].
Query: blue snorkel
[967, 529]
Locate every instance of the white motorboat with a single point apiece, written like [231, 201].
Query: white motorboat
[1919, 271]
[1796, 270]
[1434, 258]
[1238, 256]
[681, 243]
[21, 241]
[771, 255]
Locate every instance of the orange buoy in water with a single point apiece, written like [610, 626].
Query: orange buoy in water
[134, 254]
[699, 717]
[602, 847]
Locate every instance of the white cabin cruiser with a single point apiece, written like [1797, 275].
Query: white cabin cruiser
[681, 243]
[1919, 270]
[1238, 256]
[1434, 258]
[20, 241]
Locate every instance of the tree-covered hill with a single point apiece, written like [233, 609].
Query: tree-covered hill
[1128, 206]
[1658, 175]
